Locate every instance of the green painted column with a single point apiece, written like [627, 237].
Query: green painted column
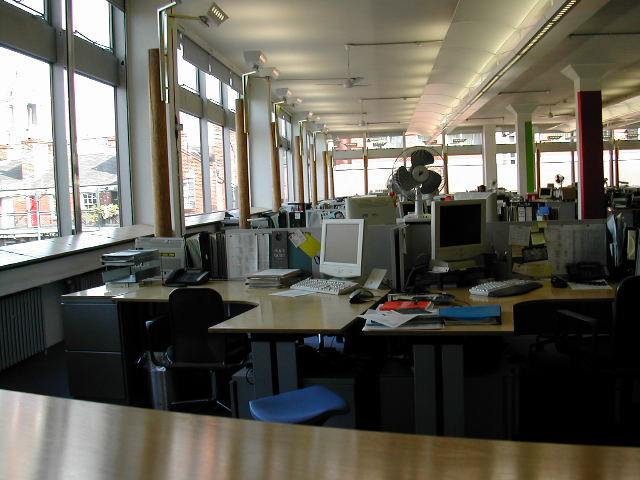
[530, 155]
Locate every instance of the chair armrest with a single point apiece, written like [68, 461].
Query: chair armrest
[578, 320]
[579, 317]
[157, 337]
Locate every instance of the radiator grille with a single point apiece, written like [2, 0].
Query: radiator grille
[22, 331]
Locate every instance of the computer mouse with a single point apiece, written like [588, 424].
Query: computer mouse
[360, 295]
[558, 282]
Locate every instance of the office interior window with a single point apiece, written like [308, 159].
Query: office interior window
[507, 171]
[558, 163]
[284, 175]
[629, 166]
[348, 177]
[349, 143]
[191, 161]
[187, 73]
[213, 90]
[465, 173]
[216, 167]
[35, 7]
[389, 141]
[90, 200]
[380, 170]
[230, 98]
[27, 173]
[232, 178]
[92, 21]
[97, 153]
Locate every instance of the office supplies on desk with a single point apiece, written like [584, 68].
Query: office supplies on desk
[472, 315]
[360, 295]
[130, 266]
[324, 285]
[273, 278]
[391, 319]
[375, 278]
[405, 306]
[183, 277]
[583, 272]
[291, 293]
[600, 284]
[172, 251]
[504, 288]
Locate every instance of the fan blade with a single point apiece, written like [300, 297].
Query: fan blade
[421, 157]
[432, 183]
[405, 179]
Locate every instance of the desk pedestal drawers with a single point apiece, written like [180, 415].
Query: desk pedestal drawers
[93, 349]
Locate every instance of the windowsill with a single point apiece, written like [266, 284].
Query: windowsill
[22, 254]
[213, 217]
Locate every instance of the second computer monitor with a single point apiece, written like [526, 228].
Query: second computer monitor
[458, 229]
[376, 210]
[341, 248]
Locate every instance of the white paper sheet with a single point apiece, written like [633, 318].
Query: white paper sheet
[391, 319]
[242, 255]
[588, 286]
[519, 235]
[291, 293]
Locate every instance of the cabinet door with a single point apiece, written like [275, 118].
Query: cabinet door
[96, 375]
[91, 327]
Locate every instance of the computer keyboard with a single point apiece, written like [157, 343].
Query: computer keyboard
[323, 285]
[504, 288]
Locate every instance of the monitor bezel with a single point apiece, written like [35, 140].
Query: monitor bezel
[338, 269]
[457, 252]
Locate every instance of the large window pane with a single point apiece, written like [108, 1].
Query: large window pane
[27, 181]
[213, 89]
[233, 177]
[187, 73]
[284, 175]
[216, 167]
[31, 6]
[231, 97]
[92, 20]
[348, 177]
[380, 170]
[555, 163]
[97, 153]
[191, 158]
[629, 166]
[465, 173]
[507, 171]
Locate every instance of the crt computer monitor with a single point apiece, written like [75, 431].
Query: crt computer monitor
[376, 210]
[341, 248]
[458, 229]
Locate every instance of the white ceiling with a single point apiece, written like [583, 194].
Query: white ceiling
[306, 39]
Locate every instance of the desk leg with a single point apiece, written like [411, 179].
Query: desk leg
[453, 390]
[424, 384]
[263, 360]
[287, 366]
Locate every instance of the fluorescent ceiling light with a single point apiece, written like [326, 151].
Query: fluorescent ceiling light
[216, 14]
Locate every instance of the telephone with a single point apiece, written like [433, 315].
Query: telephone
[182, 277]
[585, 271]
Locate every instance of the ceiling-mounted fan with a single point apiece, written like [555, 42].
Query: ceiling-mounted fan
[558, 116]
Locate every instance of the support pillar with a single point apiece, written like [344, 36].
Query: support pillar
[587, 88]
[489, 166]
[327, 162]
[332, 185]
[313, 172]
[525, 153]
[616, 162]
[243, 166]
[365, 166]
[275, 168]
[298, 171]
[538, 158]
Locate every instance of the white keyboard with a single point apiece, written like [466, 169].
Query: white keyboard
[504, 288]
[323, 285]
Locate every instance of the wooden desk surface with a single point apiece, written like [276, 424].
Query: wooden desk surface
[547, 292]
[47, 437]
[311, 314]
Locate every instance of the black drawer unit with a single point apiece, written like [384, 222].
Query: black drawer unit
[91, 327]
[96, 376]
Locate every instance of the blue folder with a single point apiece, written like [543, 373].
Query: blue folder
[481, 312]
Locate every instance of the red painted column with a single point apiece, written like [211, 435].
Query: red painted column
[591, 183]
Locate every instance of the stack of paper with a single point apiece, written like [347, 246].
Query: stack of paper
[273, 278]
[392, 319]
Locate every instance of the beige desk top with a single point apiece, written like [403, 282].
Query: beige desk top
[547, 292]
[315, 313]
[46, 437]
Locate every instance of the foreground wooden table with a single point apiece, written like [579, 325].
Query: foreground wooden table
[54, 438]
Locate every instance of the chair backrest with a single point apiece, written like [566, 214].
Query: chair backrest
[191, 312]
[626, 325]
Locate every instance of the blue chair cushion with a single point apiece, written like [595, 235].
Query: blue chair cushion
[310, 405]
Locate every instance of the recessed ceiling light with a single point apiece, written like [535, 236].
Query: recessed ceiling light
[216, 14]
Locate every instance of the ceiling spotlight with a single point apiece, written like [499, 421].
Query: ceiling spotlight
[216, 14]
[283, 92]
[254, 59]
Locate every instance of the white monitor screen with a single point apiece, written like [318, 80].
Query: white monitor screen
[341, 243]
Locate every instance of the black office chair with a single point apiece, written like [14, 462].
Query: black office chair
[606, 347]
[182, 337]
